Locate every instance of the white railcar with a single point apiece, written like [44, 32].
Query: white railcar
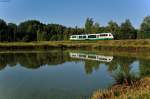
[98, 36]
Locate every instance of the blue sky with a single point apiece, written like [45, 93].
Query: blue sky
[75, 12]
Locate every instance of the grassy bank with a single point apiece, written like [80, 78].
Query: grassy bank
[138, 90]
[125, 44]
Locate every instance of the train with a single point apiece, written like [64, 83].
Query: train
[93, 57]
[97, 36]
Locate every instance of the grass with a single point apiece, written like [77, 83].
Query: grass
[138, 90]
[128, 44]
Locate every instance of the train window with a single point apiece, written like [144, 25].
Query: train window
[80, 36]
[73, 36]
[82, 56]
[92, 56]
[73, 55]
[103, 34]
[84, 36]
[92, 36]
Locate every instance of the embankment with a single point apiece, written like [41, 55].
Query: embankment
[138, 90]
[110, 44]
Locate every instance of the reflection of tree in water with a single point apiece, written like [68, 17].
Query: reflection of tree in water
[124, 62]
[121, 70]
[32, 60]
[35, 60]
[113, 64]
[90, 66]
[145, 67]
[5, 58]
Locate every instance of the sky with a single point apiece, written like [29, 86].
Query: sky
[73, 13]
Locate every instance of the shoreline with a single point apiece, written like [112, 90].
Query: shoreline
[138, 90]
[130, 45]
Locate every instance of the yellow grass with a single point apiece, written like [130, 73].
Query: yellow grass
[138, 90]
[111, 43]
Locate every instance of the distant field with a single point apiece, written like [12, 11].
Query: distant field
[138, 44]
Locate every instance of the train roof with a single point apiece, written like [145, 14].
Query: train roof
[91, 34]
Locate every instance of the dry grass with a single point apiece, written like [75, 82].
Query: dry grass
[118, 43]
[138, 90]
[136, 45]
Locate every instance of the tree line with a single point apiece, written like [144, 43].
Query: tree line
[34, 30]
[54, 58]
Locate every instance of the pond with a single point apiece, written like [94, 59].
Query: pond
[65, 74]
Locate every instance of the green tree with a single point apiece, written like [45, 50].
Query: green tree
[145, 28]
[89, 25]
[55, 31]
[95, 28]
[103, 29]
[29, 29]
[41, 36]
[12, 29]
[3, 30]
[127, 31]
[113, 28]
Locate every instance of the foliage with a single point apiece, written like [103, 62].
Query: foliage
[89, 25]
[127, 31]
[113, 27]
[145, 28]
[3, 29]
[34, 30]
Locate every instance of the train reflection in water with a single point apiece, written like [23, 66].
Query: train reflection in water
[94, 57]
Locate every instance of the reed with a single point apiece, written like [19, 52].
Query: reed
[137, 90]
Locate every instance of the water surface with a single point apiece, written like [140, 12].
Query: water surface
[64, 74]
